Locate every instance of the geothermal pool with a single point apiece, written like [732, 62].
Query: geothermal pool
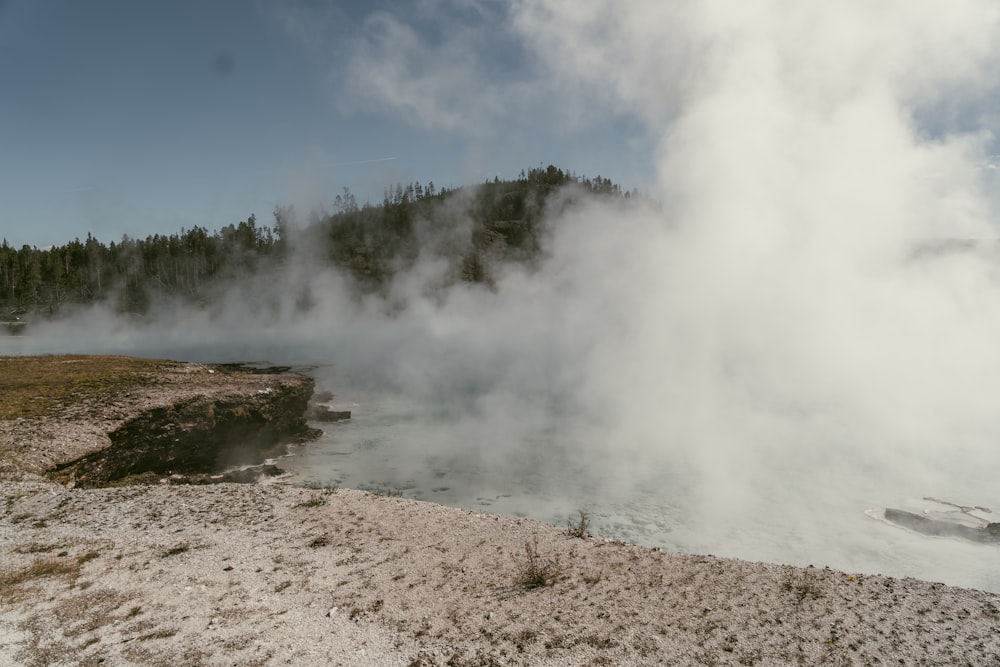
[814, 512]
[813, 497]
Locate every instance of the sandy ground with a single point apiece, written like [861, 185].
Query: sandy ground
[267, 574]
[275, 575]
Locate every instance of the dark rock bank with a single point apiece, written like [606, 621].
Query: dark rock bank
[195, 438]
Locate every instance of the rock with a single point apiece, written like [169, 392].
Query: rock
[199, 437]
[942, 528]
[247, 475]
[321, 413]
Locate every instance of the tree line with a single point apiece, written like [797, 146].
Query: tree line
[474, 229]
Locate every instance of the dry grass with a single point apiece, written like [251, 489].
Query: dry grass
[580, 526]
[536, 571]
[11, 581]
[317, 500]
[173, 551]
[804, 585]
[37, 548]
[39, 386]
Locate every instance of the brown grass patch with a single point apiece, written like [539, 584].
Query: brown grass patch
[11, 581]
[173, 551]
[40, 386]
[37, 548]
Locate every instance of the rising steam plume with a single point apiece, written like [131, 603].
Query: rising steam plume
[790, 316]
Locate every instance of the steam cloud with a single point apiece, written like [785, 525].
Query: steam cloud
[788, 317]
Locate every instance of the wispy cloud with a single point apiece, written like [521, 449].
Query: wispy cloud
[441, 84]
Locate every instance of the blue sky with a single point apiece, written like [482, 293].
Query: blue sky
[126, 117]
[121, 117]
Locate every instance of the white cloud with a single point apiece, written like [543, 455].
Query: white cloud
[442, 67]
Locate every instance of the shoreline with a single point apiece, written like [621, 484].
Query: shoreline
[272, 574]
[269, 574]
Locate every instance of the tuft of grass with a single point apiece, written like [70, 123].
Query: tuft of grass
[317, 500]
[90, 555]
[320, 541]
[580, 526]
[134, 479]
[536, 571]
[37, 548]
[42, 568]
[805, 587]
[13, 498]
[173, 551]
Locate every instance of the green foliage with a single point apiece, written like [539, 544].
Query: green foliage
[474, 229]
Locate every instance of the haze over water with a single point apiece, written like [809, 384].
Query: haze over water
[821, 514]
[780, 338]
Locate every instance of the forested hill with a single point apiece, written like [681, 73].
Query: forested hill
[473, 229]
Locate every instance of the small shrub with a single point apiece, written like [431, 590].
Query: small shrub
[580, 526]
[316, 500]
[804, 587]
[536, 571]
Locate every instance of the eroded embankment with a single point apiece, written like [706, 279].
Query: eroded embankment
[195, 437]
[94, 421]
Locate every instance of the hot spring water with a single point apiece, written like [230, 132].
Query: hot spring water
[814, 512]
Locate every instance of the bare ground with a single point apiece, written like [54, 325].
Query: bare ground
[267, 574]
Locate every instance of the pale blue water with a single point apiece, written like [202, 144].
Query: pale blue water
[814, 505]
[393, 443]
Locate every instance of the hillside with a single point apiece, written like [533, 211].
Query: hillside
[474, 229]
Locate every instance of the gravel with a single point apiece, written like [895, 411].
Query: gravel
[269, 574]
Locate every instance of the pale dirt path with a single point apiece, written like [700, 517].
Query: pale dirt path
[274, 575]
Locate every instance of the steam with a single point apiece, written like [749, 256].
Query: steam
[787, 317]
[782, 320]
